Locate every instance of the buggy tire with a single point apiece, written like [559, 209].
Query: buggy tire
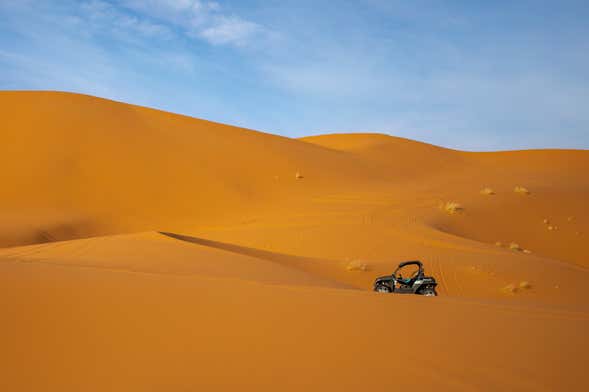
[381, 288]
[428, 292]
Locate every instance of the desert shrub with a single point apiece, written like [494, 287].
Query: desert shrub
[357, 265]
[513, 288]
[509, 289]
[515, 246]
[452, 207]
[521, 190]
[298, 176]
[487, 191]
[525, 285]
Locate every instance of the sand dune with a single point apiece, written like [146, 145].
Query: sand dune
[143, 250]
[97, 167]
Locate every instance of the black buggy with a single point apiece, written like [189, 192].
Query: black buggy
[415, 283]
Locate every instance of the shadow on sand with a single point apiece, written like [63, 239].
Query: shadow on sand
[317, 267]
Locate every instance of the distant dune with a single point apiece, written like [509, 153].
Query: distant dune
[143, 250]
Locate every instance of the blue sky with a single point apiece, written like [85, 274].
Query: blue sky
[468, 74]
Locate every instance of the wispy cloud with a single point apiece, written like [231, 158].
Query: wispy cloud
[230, 30]
[100, 16]
[206, 20]
[92, 47]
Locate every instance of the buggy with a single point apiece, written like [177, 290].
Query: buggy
[415, 283]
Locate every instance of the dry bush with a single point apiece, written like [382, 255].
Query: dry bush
[487, 191]
[298, 176]
[357, 265]
[527, 251]
[521, 190]
[513, 288]
[451, 207]
[546, 221]
[509, 289]
[525, 285]
[514, 246]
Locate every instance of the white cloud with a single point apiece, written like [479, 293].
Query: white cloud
[102, 16]
[206, 20]
[164, 9]
[65, 49]
[230, 30]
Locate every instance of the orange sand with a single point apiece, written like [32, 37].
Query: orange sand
[143, 250]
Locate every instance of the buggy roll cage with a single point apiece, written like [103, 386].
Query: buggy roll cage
[406, 263]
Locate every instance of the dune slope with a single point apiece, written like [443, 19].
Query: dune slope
[95, 330]
[79, 166]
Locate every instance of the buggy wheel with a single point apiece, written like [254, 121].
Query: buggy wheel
[381, 288]
[428, 292]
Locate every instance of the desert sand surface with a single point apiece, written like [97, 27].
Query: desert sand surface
[147, 251]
